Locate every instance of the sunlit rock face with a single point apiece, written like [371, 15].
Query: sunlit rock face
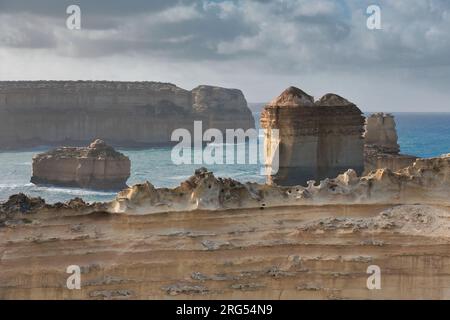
[381, 147]
[427, 181]
[130, 114]
[98, 166]
[316, 139]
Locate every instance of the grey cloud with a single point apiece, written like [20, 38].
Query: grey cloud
[142, 31]
[289, 36]
[93, 7]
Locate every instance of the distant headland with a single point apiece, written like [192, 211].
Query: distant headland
[126, 114]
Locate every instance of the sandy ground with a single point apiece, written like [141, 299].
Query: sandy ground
[299, 252]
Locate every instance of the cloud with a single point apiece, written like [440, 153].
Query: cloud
[304, 34]
[275, 43]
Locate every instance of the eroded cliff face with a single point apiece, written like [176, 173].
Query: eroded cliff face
[209, 239]
[316, 139]
[121, 113]
[293, 252]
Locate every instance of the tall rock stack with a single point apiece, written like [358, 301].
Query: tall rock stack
[317, 140]
[381, 147]
[381, 133]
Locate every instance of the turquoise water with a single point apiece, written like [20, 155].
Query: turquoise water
[424, 135]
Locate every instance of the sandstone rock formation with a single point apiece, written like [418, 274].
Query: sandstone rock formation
[98, 166]
[381, 132]
[293, 249]
[427, 181]
[381, 148]
[316, 139]
[132, 114]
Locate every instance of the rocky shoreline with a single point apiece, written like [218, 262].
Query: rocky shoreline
[427, 181]
[214, 238]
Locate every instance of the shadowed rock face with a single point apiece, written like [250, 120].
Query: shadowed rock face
[131, 114]
[316, 140]
[98, 166]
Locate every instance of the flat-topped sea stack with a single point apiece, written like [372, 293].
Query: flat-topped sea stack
[129, 114]
[97, 167]
[317, 140]
[381, 132]
[381, 148]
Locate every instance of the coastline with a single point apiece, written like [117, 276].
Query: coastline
[318, 247]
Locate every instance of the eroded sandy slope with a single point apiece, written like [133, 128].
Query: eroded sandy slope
[297, 252]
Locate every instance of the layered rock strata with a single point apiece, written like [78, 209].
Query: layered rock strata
[315, 140]
[381, 148]
[131, 114]
[98, 166]
[293, 249]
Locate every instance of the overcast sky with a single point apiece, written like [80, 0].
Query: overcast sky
[258, 46]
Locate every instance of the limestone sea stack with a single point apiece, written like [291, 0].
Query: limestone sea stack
[97, 167]
[381, 132]
[316, 140]
[129, 114]
[381, 148]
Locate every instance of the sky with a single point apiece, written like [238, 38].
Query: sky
[258, 46]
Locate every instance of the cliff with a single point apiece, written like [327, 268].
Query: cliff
[98, 166]
[316, 139]
[139, 247]
[131, 114]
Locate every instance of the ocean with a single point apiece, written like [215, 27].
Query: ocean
[420, 134]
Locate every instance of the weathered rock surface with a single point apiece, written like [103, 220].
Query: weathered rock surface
[427, 181]
[297, 252]
[381, 132]
[132, 114]
[98, 166]
[316, 139]
[138, 247]
[381, 148]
